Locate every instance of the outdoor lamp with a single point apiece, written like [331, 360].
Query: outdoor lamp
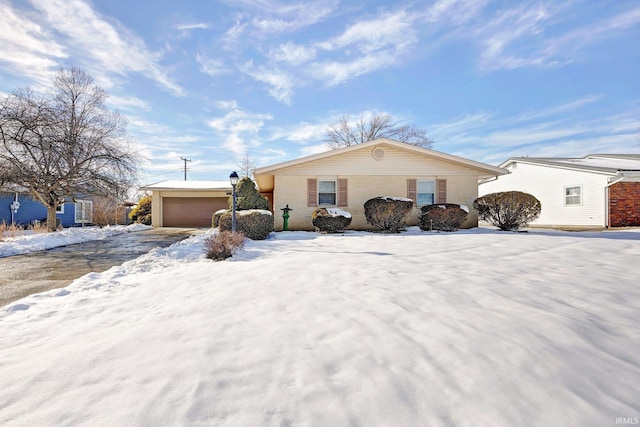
[234, 181]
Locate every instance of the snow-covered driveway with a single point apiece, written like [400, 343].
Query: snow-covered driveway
[475, 328]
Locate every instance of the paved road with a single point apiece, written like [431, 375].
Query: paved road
[35, 272]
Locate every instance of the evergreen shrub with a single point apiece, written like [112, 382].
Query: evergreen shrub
[388, 214]
[509, 210]
[255, 224]
[330, 220]
[442, 217]
[141, 213]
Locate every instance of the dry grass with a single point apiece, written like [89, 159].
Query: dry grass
[14, 230]
[222, 245]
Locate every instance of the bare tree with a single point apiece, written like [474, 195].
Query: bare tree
[65, 142]
[345, 133]
[246, 165]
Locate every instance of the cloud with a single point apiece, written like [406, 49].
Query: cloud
[454, 11]
[210, 66]
[393, 30]
[532, 35]
[28, 49]
[238, 128]
[302, 133]
[567, 129]
[196, 26]
[106, 46]
[365, 47]
[506, 30]
[289, 17]
[129, 103]
[280, 83]
[232, 36]
[292, 53]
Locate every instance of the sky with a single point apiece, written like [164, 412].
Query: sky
[219, 81]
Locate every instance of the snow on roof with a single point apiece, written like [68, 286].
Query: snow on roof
[608, 163]
[188, 185]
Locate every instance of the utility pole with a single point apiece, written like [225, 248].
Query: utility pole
[185, 166]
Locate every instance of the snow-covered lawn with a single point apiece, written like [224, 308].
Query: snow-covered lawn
[474, 328]
[29, 242]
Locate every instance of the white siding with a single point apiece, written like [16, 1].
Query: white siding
[547, 184]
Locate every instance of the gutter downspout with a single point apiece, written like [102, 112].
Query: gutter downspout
[606, 200]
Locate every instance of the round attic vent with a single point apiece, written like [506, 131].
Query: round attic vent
[378, 153]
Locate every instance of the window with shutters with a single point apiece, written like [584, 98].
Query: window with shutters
[425, 193]
[326, 193]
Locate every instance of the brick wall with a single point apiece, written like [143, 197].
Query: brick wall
[624, 204]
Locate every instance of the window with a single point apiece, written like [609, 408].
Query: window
[84, 211]
[60, 209]
[425, 193]
[573, 196]
[326, 192]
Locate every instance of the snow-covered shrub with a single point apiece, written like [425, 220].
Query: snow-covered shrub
[388, 214]
[509, 210]
[222, 245]
[256, 224]
[215, 219]
[141, 213]
[247, 196]
[443, 216]
[330, 220]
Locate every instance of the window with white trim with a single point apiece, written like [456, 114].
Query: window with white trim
[425, 193]
[60, 208]
[573, 195]
[326, 193]
[84, 211]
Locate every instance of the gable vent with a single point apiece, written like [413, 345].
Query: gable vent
[378, 153]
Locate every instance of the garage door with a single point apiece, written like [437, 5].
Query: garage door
[190, 211]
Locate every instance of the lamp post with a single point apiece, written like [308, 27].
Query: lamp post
[234, 181]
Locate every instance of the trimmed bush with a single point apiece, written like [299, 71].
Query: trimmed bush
[222, 245]
[142, 211]
[388, 214]
[442, 217]
[509, 210]
[330, 220]
[215, 219]
[247, 196]
[255, 224]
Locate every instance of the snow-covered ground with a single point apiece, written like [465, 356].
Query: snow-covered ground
[30, 242]
[474, 328]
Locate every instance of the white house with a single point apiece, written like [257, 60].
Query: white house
[595, 191]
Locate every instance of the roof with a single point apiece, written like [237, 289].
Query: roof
[188, 185]
[609, 164]
[482, 167]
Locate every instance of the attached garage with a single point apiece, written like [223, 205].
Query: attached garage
[190, 211]
[187, 203]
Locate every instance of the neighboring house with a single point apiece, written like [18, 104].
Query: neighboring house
[348, 177]
[187, 203]
[27, 209]
[595, 191]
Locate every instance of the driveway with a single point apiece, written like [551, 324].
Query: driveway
[35, 272]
